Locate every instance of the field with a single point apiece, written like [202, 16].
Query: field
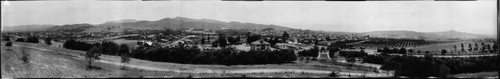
[398, 43]
[52, 61]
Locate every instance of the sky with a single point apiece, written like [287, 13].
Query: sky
[423, 16]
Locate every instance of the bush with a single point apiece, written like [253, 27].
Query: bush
[20, 40]
[32, 40]
[8, 44]
[25, 54]
[6, 38]
[48, 41]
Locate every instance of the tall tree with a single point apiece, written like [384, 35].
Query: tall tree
[92, 55]
[285, 37]
[443, 51]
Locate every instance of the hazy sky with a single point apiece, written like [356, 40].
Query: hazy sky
[424, 16]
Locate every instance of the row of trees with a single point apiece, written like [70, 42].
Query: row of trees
[484, 47]
[429, 66]
[353, 54]
[225, 56]
[77, 45]
[402, 50]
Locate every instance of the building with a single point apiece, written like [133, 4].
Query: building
[260, 45]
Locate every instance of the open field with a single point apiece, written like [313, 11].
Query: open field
[52, 61]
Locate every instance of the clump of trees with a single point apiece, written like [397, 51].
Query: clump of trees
[20, 40]
[33, 39]
[48, 41]
[353, 54]
[6, 38]
[387, 50]
[8, 44]
[124, 54]
[77, 45]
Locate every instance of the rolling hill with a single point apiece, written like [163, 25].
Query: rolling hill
[179, 23]
[27, 27]
[130, 24]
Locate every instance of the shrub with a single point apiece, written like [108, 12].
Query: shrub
[48, 41]
[20, 40]
[32, 40]
[25, 54]
[8, 44]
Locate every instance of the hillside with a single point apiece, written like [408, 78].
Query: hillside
[179, 23]
[26, 27]
[425, 35]
[131, 24]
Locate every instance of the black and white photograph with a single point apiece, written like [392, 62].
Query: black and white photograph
[249, 39]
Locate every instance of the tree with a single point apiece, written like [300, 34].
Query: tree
[125, 58]
[8, 44]
[475, 44]
[470, 47]
[455, 47]
[334, 74]
[48, 41]
[402, 50]
[32, 39]
[462, 45]
[20, 40]
[410, 50]
[124, 54]
[202, 40]
[92, 55]
[25, 54]
[443, 51]
[285, 37]
[7, 38]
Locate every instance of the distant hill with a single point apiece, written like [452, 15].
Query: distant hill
[71, 28]
[26, 27]
[179, 23]
[425, 35]
[131, 24]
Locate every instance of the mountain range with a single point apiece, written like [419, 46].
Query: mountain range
[182, 23]
[166, 23]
